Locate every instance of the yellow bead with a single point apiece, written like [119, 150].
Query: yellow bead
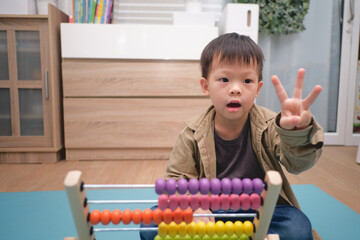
[162, 229]
[172, 229]
[210, 229]
[248, 228]
[192, 229]
[229, 228]
[182, 230]
[220, 228]
[201, 229]
[238, 228]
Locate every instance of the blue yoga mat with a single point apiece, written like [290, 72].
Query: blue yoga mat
[47, 215]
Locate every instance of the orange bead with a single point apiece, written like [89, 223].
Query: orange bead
[126, 216]
[137, 216]
[95, 217]
[147, 216]
[178, 216]
[188, 215]
[116, 216]
[157, 216]
[105, 217]
[168, 215]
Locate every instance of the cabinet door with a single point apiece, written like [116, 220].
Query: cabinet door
[24, 86]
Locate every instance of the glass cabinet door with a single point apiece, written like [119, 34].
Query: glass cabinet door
[24, 100]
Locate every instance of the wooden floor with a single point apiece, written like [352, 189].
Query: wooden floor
[336, 173]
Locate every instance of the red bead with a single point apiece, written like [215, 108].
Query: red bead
[105, 217]
[178, 216]
[173, 202]
[245, 201]
[163, 201]
[147, 216]
[157, 216]
[126, 216]
[188, 215]
[167, 215]
[95, 217]
[255, 200]
[224, 201]
[116, 216]
[183, 202]
[137, 216]
[194, 202]
[215, 202]
[204, 202]
[235, 202]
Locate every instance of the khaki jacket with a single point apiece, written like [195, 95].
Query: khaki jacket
[194, 156]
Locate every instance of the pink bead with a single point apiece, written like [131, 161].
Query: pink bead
[204, 202]
[235, 202]
[255, 200]
[215, 202]
[224, 202]
[163, 201]
[194, 202]
[245, 201]
[173, 202]
[183, 202]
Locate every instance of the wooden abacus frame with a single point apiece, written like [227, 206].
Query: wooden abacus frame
[80, 210]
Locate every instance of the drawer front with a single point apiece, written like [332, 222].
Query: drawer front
[127, 122]
[97, 78]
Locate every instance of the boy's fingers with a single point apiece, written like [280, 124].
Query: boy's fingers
[279, 89]
[299, 83]
[309, 100]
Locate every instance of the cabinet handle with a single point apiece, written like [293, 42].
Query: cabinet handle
[46, 85]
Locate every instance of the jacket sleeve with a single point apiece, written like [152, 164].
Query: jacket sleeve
[299, 149]
[182, 162]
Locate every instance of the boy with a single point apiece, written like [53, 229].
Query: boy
[237, 138]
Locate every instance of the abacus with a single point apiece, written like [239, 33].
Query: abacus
[176, 202]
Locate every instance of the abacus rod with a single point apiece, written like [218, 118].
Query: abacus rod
[224, 215]
[120, 201]
[119, 186]
[125, 229]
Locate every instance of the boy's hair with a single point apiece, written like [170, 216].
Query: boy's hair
[231, 47]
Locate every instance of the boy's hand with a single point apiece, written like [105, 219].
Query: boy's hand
[295, 113]
[203, 219]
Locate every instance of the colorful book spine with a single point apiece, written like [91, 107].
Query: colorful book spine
[71, 11]
[99, 11]
[82, 11]
[106, 12]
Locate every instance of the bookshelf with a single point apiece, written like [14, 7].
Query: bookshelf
[126, 97]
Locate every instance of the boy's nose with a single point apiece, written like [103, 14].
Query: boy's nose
[235, 91]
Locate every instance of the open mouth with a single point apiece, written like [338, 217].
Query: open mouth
[233, 105]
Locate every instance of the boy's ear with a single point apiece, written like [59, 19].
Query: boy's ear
[260, 84]
[204, 86]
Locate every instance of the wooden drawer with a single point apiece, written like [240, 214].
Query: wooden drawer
[109, 78]
[131, 124]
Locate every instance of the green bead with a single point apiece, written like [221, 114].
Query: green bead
[244, 237]
[187, 237]
[196, 237]
[158, 238]
[234, 237]
[215, 237]
[168, 237]
[177, 237]
[224, 237]
[206, 237]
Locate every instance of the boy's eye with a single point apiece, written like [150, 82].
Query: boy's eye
[224, 80]
[247, 81]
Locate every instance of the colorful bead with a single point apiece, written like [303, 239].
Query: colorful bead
[236, 186]
[178, 216]
[162, 229]
[247, 185]
[194, 186]
[182, 186]
[258, 185]
[238, 228]
[220, 228]
[210, 229]
[116, 216]
[147, 216]
[224, 201]
[172, 229]
[183, 202]
[226, 186]
[248, 228]
[163, 201]
[194, 202]
[255, 201]
[204, 202]
[171, 186]
[215, 202]
[215, 186]
[188, 215]
[235, 202]
[173, 202]
[157, 216]
[245, 201]
[160, 185]
[137, 216]
[168, 215]
[204, 186]
[95, 217]
[105, 217]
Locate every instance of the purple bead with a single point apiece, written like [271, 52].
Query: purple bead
[160, 184]
[226, 185]
[215, 186]
[171, 186]
[236, 186]
[194, 186]
[258, 185]
[247, 185]
[204, 186]
[182, 186]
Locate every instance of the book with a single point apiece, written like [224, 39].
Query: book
[71, 5]
[91, 11]
[99, 11]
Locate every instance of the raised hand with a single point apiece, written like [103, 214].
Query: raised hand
[295, 113]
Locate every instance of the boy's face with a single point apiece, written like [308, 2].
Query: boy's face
[232, 89]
